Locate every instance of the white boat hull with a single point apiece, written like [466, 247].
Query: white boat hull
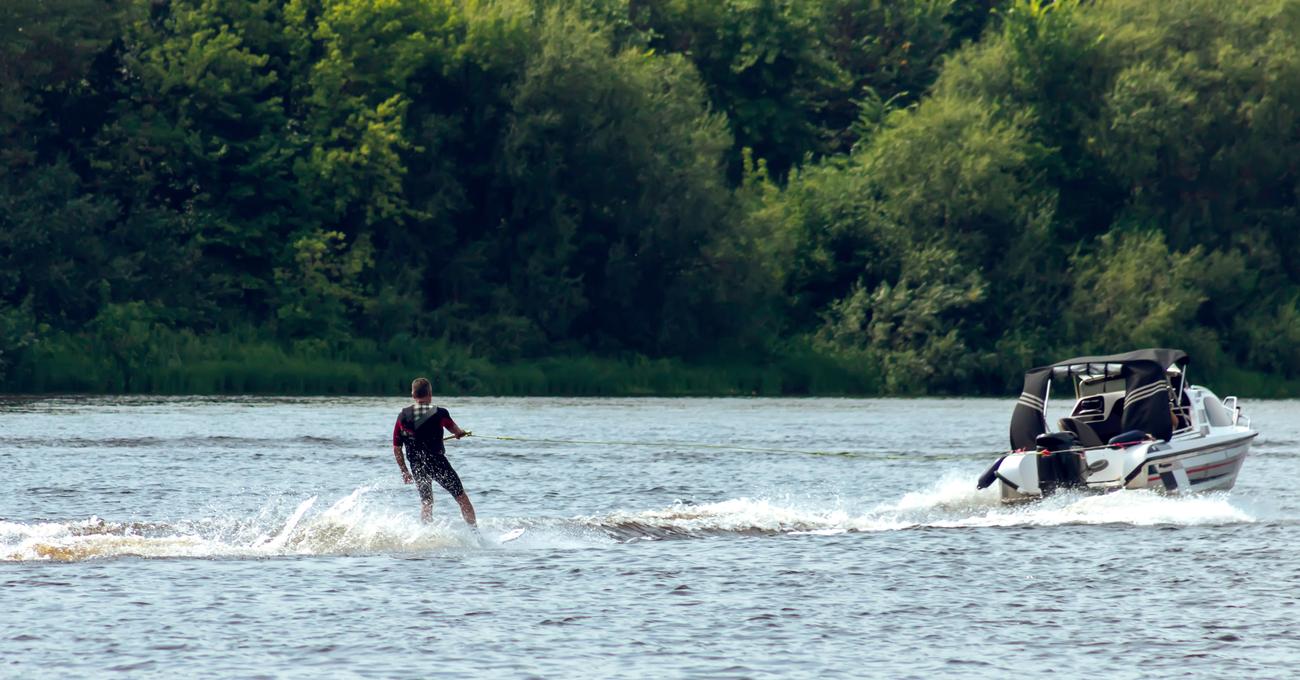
[1188, 464]
[1136, 424]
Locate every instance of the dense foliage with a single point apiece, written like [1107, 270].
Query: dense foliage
[923, 195]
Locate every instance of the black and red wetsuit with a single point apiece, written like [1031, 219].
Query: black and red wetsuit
[419, 428]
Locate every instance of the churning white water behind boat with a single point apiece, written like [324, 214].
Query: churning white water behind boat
[272, 537]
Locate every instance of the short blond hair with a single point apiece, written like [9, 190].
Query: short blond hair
[420, 387]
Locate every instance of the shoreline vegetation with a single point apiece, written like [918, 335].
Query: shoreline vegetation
[231, 366]
[625, 197]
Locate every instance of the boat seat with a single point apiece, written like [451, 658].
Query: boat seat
[1088, 437]
[1106, 428]
[1113, 424]
[1128, 437]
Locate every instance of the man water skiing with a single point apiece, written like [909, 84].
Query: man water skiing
[419, 427]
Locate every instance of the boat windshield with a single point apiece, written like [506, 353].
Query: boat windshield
[1094, 385]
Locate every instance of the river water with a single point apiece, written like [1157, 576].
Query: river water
[256, 537]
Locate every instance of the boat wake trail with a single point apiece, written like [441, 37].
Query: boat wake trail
[359, 525]
[952, 503]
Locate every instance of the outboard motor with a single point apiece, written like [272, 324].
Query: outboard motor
[1059, 464]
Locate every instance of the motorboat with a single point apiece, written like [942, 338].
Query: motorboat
[1136, 424]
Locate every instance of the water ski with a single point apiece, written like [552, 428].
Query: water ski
[510, 535]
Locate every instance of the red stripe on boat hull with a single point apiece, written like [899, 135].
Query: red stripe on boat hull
[1203, 468]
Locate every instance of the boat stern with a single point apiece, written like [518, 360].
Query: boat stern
[1034, 474]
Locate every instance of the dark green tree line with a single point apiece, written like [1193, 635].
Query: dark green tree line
[938, 191]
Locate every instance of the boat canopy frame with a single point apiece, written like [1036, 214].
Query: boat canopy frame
[1143, 372]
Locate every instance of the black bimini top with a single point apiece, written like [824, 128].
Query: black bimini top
[1164, 357]
[1143, 371]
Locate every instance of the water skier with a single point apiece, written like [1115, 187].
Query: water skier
[419, 427]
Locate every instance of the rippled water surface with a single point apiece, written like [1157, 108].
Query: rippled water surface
[273, 537]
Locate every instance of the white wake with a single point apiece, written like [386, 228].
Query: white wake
[358, 524]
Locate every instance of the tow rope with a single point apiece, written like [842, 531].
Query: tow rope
[724, 447]
[678, 444]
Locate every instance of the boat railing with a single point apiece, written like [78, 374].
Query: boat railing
[1184, 414]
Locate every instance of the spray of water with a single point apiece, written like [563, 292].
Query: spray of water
[358, 524]
[952, 502]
